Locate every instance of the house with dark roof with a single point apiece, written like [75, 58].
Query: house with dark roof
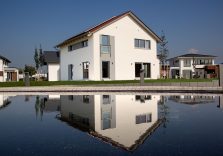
[7, 73]
[52, 60]
[193, 65]
[116, 49]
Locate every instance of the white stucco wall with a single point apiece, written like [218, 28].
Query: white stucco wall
[126, 131]
[125, 31]
[76, 57]
[53, 72]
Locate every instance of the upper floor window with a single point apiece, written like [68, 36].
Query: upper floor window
[139, 43]
[105, 46]
[187, 62]
[78, 45]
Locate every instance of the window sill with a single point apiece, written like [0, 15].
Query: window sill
[142, 48]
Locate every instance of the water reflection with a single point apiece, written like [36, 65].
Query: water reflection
[124, 121]
[192, 99]
[4, 101]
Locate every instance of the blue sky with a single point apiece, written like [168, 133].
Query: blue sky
[189, 25]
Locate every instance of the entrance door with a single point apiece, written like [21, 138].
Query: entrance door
[105, 69]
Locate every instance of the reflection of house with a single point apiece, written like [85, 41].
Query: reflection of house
[192, 99]
[52, 60]
[220, 105]
[108, 51]
[4, 101]
[7, 73]
[51, 103]
[122, 120]
[193, 65]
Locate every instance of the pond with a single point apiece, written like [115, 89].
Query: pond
[111, 124]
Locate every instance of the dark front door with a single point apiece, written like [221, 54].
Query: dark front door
[105, 69]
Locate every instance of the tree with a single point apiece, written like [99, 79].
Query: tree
[163, 50]
[36, 59]
[41, 57]
[30, 69]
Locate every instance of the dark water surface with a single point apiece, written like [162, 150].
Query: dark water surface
[111, 125]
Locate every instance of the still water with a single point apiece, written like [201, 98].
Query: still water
[111, 124]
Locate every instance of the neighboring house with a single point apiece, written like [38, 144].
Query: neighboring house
[193, 65]
[116, 49]
[7, 73]
[192, 99]
[52, 60]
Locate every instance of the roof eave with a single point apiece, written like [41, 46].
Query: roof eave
[72, 39]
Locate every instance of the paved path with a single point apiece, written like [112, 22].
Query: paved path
[93, 88]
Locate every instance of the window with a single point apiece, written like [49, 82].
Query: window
[139, 43]
[70, 71]
[147, 72]
[71, 97]
[201, 61]
[106, 120]
[144, 118]
[86, 99]
[85, 70]
[106, 99]
[210, 61]
[142, 98]
[105, 44]
[187, 62]
[145, 66]
[78, 45]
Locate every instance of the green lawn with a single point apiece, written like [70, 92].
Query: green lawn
[47, 83]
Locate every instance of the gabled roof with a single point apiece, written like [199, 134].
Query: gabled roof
[51, 57]
[193, 56]
[108, 22]
[5, 59]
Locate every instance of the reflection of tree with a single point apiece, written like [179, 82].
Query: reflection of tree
[164, 110]
[39, 107]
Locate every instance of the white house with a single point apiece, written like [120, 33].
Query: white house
[52, 60]
[116, 49]
[189, 65]
[7, 73]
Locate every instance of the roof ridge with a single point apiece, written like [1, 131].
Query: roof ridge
[107, 22]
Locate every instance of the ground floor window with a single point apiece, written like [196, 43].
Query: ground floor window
[105, 69]
[70, 72]
[145, 66]
[85, 70]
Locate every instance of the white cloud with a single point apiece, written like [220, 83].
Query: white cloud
[193, 51]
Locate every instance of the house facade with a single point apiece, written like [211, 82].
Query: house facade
[116, 49]
[7, 73]
[193, 65]
[52, 60]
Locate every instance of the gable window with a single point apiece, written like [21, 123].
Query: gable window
[105, 45]
[78, 45]
[139, 43]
